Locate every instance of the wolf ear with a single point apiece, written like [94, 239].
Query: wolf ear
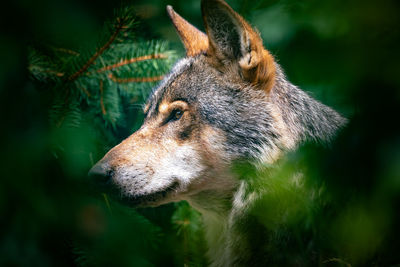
[232, 39]
[194, 41]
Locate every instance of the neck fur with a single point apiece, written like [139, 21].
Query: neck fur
[228, 225]
[221, 213]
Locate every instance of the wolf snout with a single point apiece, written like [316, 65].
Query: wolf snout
[99, 173]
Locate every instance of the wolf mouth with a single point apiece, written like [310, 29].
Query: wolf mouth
[151, 199]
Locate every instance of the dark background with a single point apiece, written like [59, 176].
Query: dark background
[345, 53]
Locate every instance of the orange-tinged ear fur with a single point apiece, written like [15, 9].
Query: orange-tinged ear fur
[232, 39]
[194, 40]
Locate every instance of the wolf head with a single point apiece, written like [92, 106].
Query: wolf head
[227, 100]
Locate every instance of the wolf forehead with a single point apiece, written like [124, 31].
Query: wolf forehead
[194, 80]
[220, 100]
[191, 80]
[163, 92]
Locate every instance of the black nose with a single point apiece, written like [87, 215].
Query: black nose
[99, 173]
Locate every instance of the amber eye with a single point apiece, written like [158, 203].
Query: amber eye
[176, 114]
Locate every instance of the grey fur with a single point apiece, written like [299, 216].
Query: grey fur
[247, 123]
[241, 112]
[305, 117]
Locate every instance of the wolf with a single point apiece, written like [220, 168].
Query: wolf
[228, 100]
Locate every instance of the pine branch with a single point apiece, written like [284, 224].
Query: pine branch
[119, 27]
[103, 109]
[135, 79]
[342, 262]
[60, 122]
[83, 89]
[106, 92]
[64, 105]
[67, 51]
[32, 68]
[131, 60]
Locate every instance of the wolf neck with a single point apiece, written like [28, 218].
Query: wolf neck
[224, 219]
[305, 118]
[231, 231]
[215, 207]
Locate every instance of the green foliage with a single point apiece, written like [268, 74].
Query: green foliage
[188, 224]
[95, 91]
[345, 208]
[309, 206]
[104, 244]
[95, 81]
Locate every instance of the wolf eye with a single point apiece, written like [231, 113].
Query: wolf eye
[176, 114]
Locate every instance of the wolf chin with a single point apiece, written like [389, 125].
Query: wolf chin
[228, 100]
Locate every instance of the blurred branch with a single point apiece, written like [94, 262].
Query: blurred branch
[131, 60]
[38, 68]
[83, 89]
[103, 109]
[67, 51]
[135, 79]
[119, 27]
[339, 261]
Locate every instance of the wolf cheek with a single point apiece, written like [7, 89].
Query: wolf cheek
[145, 172]
[171, 157]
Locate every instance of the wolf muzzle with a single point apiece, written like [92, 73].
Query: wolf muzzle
[100, 175]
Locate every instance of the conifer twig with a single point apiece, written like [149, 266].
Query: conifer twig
[103, 108]
[66, 97]
[107, 203]
[135, 79]
[85, 67]
[67, 51]
[131, 60]
[337, 260]
[60, 122]
[83, 89]
[56, 73]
